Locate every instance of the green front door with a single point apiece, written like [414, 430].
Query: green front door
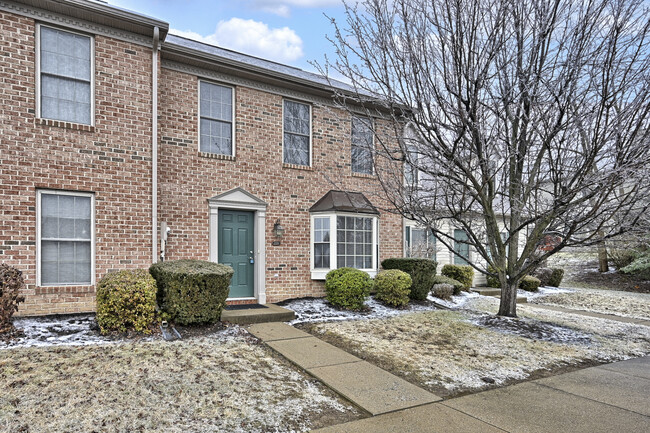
[461, 248]
[235, 249]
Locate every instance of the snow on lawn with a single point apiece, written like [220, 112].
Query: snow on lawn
[75, 330]
[311, 310]
[450, 352]
[223, 382]
[625, 304]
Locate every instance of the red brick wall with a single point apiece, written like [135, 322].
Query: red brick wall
[187, 179]
[113, 160]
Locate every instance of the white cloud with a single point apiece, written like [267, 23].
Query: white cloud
[254, 38]
[283, 7]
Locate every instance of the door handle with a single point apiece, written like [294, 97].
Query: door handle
[251, 259]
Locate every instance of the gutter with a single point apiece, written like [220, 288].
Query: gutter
[154, 145]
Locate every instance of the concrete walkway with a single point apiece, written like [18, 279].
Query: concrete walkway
[592, 314]
[609, 398]
[369, 387]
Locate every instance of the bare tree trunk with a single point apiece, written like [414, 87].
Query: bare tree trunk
[508, 305]
[603, 266]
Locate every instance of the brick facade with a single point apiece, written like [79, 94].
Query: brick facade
[188, 178]
[111, 159]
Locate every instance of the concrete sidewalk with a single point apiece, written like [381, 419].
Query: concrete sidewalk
[369, 387]
[608, 398]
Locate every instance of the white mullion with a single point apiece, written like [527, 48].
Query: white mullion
[333, 242]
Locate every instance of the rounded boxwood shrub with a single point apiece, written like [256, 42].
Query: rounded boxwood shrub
[556, 277]
[529, 283]
[422, 272]
[457, 285]
[347, 288]
[192, 291]
[462, 273]
[443, 291]
[11, 283]
[126, 300]
[544, 275]
[392, 287]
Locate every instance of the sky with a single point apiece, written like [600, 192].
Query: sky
[292, 32]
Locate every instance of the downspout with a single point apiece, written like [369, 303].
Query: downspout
[154, 145]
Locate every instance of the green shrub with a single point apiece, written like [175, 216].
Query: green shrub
[443, 291]
[545, 275]
[192, 291]
[347, 288]
[392, 287]
[556, 277]
[457, 285]
[462, 273]
[529, 283]
[640, 266]
[11, 283]
[126, 300]
[421, 271]
[492, 281]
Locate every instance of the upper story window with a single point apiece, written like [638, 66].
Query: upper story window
[362, 143]
[65, 75]
[65, 238]
[216, 114]
[297, 133]
[411, 172]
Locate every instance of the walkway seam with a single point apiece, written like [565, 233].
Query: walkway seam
[443, 403]
[590, 399]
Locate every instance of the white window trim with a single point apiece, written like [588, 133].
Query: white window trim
[372, 146]
[38, 71]
[321, 273]
[232, 121]
[39, 193]
[311, 128]
[414, 225]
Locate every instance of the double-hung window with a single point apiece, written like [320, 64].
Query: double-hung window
[65, 238]
[420, 243]
[411, 172]
[297, 133]
[216, 119]
[65, 75]
[343, 240]
[362, 144]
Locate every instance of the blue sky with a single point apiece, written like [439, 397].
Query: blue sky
[287, 31]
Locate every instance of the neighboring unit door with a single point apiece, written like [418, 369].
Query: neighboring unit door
[461, 249]
[235, 248]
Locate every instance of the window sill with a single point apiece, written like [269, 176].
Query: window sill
[217, 156]
[320, 274]
[364, 175]
[64, 124]
[297, 166]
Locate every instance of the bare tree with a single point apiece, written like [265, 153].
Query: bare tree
[524, 118]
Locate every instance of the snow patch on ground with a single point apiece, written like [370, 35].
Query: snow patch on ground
[78, 330]
[624, 304]
[312, 310]
[456, 301]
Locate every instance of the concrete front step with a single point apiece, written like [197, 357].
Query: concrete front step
[273, 313]
[490, 291]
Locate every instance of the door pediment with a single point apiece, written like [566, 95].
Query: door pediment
[239, 197]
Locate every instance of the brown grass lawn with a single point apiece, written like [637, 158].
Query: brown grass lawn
[453, 352]
[224, 384]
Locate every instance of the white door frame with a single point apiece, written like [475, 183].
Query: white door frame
[240, 199]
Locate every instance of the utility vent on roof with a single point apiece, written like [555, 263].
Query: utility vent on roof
[343, 201]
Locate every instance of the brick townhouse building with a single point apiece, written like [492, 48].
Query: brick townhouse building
[122, 144]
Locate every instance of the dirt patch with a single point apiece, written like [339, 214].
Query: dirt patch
[533, 329]
[223, 382]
